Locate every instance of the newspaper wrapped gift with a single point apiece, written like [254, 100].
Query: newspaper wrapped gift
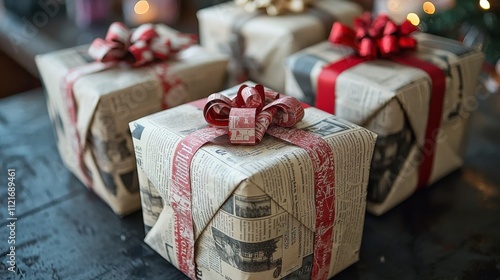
[107, 101]
[252, 211]
[258, 43]
[394, 101]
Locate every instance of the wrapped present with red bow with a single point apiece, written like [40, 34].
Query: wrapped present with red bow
[258, 42]
[94, 91]
[251, 184]
[413, 89]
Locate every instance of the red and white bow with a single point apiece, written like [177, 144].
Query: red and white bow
[137, 47]
[375, 38]
[248, 115]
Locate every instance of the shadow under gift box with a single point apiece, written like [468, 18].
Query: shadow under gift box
[393, 100]
[107, 101]
[247, 199]
[263, 42]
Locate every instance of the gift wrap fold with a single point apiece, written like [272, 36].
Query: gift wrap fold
[253, 212]
[107, 101]
[258, 43]
[394, 101]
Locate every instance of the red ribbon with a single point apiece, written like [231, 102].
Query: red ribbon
[377, 39]
[287, 111]
[322, 158]
[249, 114]
[137, 48]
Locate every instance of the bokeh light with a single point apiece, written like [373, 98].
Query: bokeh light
[429, 8]
[394, 6]
[413, 18]
[141, 7]
[485, 4]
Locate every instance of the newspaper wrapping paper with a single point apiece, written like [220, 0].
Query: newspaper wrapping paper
[275, 7]
[392, 100]
[129, 48]
[253, 206]
[258, 44]
[107, 101]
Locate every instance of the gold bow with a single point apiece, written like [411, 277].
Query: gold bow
[275, 7]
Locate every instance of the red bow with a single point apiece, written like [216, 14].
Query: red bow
[380, 37]
[383, 38]
[250, 112]
[139, 47]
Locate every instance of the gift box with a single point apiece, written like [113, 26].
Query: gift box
[258, 43]
[418, 102]
[275, 210]
[91, 119]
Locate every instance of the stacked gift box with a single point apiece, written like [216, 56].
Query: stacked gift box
[250, 182]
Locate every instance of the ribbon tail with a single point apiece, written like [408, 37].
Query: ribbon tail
[180, 196]
[67, 85]
[435, 114]
[322, 158]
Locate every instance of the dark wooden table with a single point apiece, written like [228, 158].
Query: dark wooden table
[63, 231]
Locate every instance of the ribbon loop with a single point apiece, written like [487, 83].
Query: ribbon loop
[288, 111]
[250, 97]
[250, 113]
[139, 47]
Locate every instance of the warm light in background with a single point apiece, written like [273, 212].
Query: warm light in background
[141, 7]
[413, 18]
[394, 6]
[484, 4]
[428, 8]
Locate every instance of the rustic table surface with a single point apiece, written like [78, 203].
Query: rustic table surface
[63, 231]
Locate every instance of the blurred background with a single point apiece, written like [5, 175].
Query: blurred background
[31, 27]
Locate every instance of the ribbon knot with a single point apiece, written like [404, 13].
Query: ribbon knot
[138, 47]
[249, 114]
[375, 38]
